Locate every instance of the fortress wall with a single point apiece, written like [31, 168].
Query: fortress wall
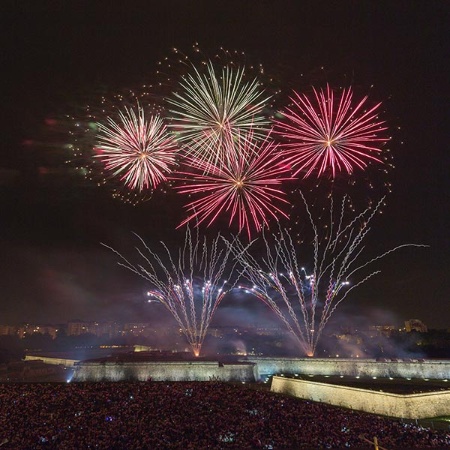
[415, 406]
[433, 369]
[51, 360]
[163, 371]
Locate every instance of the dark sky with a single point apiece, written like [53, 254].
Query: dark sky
[54, 53]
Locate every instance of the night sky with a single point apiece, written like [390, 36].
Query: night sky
[55, 53]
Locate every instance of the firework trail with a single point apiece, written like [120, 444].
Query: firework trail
[212, 107]
[331, 132]
[305, 301]
[137, 150]
[245, 186]
[190, 284]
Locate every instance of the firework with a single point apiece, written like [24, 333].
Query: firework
[83, 129]
[245, 186]
[137, 150]
[211, 107]
[190, 285]
[331, 133]
[305, 301]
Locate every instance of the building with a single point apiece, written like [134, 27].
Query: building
[78, 328]
[28, 329]
[8, 330]
[382, 330]
[415, 325]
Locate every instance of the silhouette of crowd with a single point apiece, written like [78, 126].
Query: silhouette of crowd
[188, 415]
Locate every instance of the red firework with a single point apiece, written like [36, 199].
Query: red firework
[330, 133]
[243, 185]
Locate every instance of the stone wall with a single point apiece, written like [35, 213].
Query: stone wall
[433, 369]
[51, 360]
[163, 371]
[415, 406]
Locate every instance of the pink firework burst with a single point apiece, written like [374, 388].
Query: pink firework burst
[137, 150]
[331, 132]
[244, 185]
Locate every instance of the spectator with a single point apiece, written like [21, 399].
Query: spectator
[187, 415]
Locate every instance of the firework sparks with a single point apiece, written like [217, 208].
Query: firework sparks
[83, 130]
[244, 186]
[137, 150]
[213, 107]
[190, 285]
[305, 302]
[330, 133]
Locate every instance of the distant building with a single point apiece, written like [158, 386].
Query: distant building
[8, 330]
[78, 328]
[415, 325]
[143, 329]
[382, 330]
[28, 329]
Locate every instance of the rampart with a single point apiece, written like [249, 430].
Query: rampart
[163, 371]
[52, 360]
[433, 369]
[414, 406]
[255, 368]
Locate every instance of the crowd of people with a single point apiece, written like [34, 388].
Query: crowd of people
[188, 415]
